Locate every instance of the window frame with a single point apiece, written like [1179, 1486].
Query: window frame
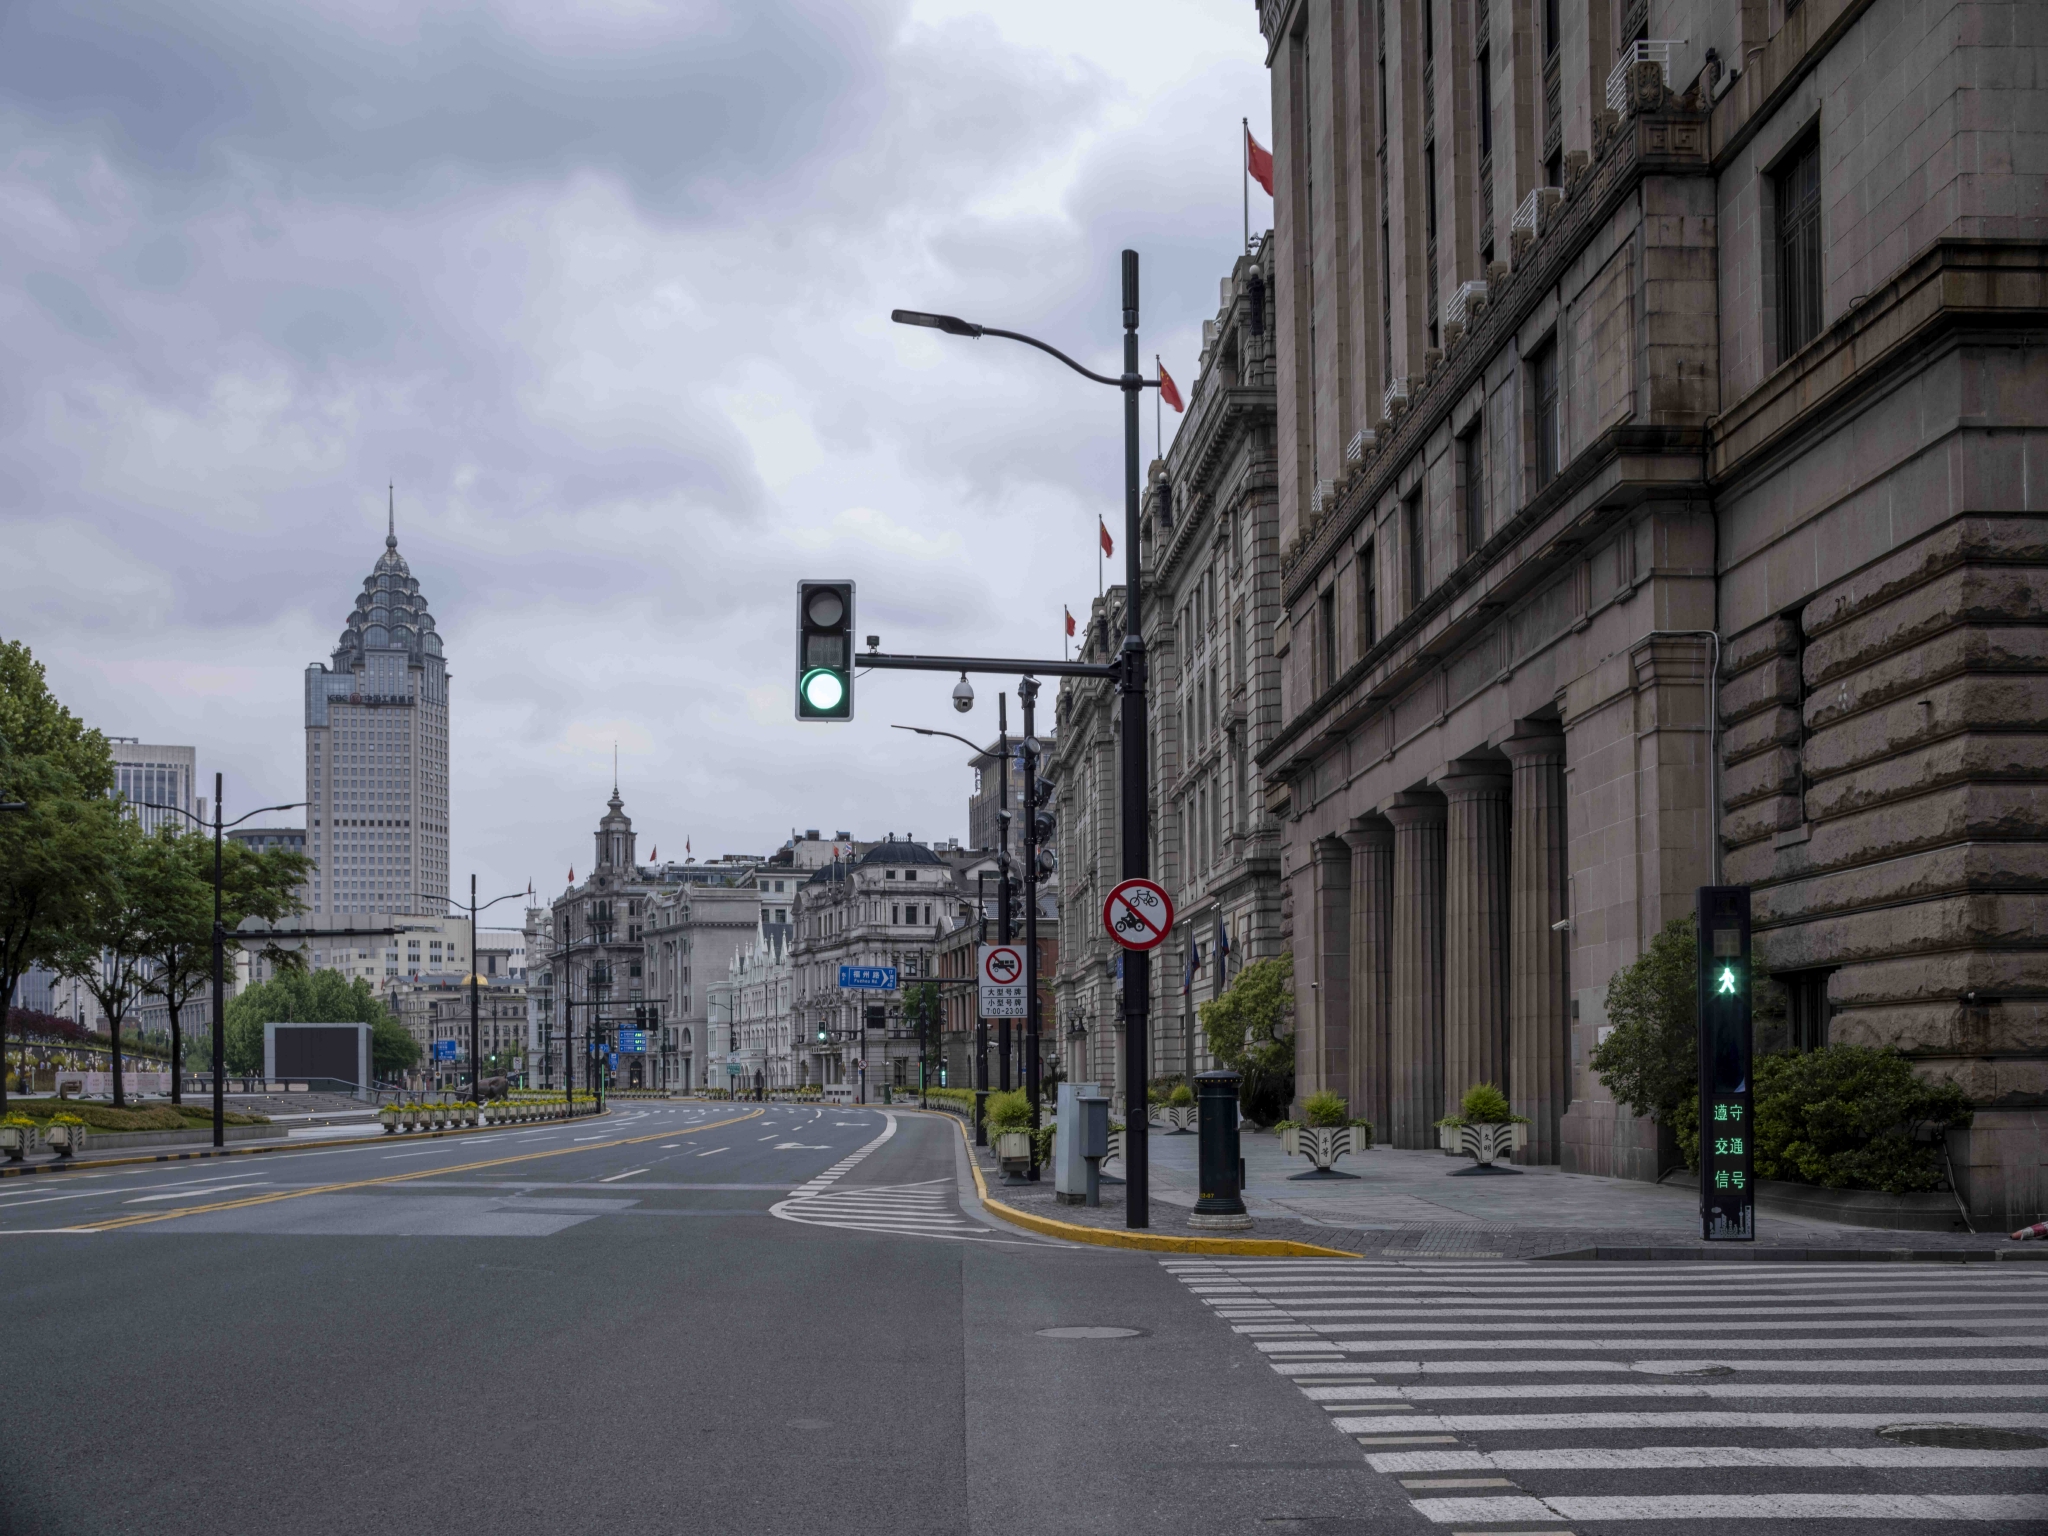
[1546, 439]
[1798, 242]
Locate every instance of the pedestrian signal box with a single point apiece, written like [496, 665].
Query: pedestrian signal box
[1727, 1142]
[824, 650]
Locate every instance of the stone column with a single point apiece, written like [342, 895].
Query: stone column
[1475, 929]
[1327, 1062]
[1415, 1066]
[1539, 998]
[1372, 946]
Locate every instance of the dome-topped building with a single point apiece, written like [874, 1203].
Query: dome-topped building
[377, 754]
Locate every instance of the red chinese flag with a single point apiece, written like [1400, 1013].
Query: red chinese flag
[1108, 544]
[1070, 619]
[572, 874]
[1169, 391]
[1259, 161]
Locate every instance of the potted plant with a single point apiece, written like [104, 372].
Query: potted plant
[1009, 1128]
[388, 1118]
[65, 1135]
[1485, 1128]
[16, 1133]
[1330, 1133]
[1180, 1109]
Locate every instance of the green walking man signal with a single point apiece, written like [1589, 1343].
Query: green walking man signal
[824, 650]
[1727, 982]
[1727, 1161]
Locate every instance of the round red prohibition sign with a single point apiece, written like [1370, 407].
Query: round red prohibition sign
[1138, 914]
[1003, 966]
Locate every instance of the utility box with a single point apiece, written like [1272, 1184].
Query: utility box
[1069, 1170]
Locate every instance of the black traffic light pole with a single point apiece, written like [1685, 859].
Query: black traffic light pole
[1128, 672]
[1027, 692]
[1003, 872]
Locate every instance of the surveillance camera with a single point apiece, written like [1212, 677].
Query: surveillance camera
[963, 694]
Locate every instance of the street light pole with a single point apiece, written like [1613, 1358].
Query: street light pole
[220, 944]
[1003, 871]
[1027, 692]
[475, 1084]
[1136, 788]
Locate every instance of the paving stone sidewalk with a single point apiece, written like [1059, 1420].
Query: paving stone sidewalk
[1421, 1205]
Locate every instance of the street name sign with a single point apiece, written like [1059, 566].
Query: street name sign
[868, 978]
[1727, 1136]
[1138, 914]
[1004, 992]
[633, 1042]
[444, 1050]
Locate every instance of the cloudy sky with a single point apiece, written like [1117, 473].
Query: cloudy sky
[604, 289]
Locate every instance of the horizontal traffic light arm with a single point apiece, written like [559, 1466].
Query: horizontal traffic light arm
[999, 665]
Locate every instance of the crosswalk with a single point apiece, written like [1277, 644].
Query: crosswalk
[1539, 1398]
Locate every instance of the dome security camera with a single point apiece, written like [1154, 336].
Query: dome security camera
[963, 694]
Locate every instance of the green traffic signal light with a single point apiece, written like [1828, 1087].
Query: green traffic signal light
[824, 650]
[824, 691]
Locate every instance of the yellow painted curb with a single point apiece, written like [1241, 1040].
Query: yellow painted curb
[22, 1170]
[1151, 1242]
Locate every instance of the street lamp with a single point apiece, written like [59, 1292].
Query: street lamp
[1134, 790]
[476, 979]
[220, 939]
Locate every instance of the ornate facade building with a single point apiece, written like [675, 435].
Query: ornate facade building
[377, 756]
[1657, 386]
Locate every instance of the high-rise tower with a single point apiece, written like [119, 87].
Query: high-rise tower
[377, 755]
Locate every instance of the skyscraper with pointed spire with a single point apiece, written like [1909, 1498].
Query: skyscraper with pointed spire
[377, 753]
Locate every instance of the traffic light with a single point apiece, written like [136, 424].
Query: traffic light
[824, 650]
[1044, 827]
[824, 1033]
[877, 1016]
[1727, 1136]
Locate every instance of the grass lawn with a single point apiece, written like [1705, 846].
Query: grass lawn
[104, 1117]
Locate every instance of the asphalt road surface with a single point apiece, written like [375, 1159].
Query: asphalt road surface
[688, 1318]
[719, 1318]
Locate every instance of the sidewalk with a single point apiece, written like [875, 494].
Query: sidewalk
[1406, 1204]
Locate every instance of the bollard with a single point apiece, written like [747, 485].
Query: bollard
[1220, 1207]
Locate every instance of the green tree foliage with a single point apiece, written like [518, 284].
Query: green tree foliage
[57, 857]
[176, 873]
[1250, 1030]
[101, 946]
[316, 997]
[1849, 1117]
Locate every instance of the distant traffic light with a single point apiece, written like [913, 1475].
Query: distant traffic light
[1044, 828]
[824, 650]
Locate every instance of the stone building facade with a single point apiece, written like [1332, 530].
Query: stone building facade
[694, 931]
[596, 969]
[1660, 503]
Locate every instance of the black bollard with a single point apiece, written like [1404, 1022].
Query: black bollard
[1221, 1206]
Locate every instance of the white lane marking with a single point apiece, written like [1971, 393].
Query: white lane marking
[1678, 1458]
[904, 1210]
[618, 1176]
[1684, 1418]
[423, 1152]
[1744, 1506]
[1971, 1365]
[193, 1194]
[797, 1146]
[591, 1138]
[714, 1151]
[1553, 1390]
[1717, 1346]
[1433, 1309]
[669, 1146]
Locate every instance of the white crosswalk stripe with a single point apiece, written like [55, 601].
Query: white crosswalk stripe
[1739, 1395]
[911, 1210]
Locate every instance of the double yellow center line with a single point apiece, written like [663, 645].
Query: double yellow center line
[401, 1178]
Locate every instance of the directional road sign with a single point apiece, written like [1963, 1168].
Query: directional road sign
[868, 978]
[444, 1050]
[633, 1042]
[1004, 992]
[1138, 914]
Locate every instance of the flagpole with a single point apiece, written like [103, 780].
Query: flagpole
[1157, 372]
[1244, 154]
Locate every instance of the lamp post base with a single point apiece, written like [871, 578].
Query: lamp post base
[1220, 1222]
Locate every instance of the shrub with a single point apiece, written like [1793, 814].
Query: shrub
[1326, 1110]
[1849, 1117]
[1182, 1097]
[1485, 1104]
[1009, 1111]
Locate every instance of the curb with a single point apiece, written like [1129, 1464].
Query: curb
[1151, 1242]
[23, 1170]
[1721, 1254]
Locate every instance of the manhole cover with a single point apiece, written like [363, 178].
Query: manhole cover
[1090, 1333]
[1683, 1368]
[1962, 1437]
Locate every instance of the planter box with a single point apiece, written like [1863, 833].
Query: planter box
[1323, 1145]
[14, 1140]
[1180, 1116]
[1936, 1212]
[62, 1139]
[1013, 1151]
[1483, 1143]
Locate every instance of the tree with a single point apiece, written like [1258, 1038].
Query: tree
[316, 997]
[101, 947]
[177, 873]
[56, 856]
[1249, 1030]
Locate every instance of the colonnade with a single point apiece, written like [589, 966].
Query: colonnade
[1440, 960]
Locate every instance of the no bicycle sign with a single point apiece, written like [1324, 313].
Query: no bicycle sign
[1138, 914]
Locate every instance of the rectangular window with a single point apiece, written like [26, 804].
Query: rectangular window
[1797, 193]
[1472, 486]
[1368, 597]
[1326, 625]
[1543, 377]
[1411, 534]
